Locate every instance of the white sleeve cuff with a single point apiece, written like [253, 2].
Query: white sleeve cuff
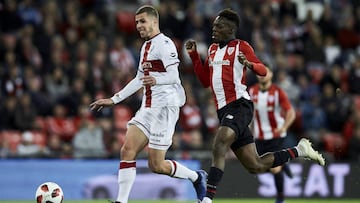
[116, 98]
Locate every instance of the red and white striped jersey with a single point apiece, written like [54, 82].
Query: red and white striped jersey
[269, 106]
[223, 72]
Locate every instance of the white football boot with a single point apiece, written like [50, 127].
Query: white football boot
[308, 152]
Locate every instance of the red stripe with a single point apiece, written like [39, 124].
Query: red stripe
[146, 72]
[292, 154]
[271, 113]
[175, 167]
[228, 72]
[127, 164]
[211, 191]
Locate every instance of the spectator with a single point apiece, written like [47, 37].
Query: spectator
[10, 20]
[39, 99]
[8, 108]
[347, 36]
[121, 58]
[288, 7]
[327, 22]
[88, 141]
[12, 82]
[28, 148]
[29, 14]
[25, 114]
[57, 84]
[57, 148]
[354, 76]
[60, 123]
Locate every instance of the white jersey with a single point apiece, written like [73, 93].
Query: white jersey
[158, 58]
[157, 54]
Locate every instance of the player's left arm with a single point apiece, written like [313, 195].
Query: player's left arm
[288, 109]
[248, 58]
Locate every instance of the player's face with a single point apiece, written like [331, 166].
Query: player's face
[145, 25]
[222, 30]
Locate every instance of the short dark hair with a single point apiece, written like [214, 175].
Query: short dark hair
[150, 10]
[231, 15]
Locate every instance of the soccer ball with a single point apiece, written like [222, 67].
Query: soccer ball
[49, 192]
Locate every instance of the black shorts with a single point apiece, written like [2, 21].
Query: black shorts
[272, 145]
[237, 115]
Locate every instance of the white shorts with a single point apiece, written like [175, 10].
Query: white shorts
[158, 124]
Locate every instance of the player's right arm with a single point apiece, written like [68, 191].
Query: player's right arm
[201, 70]
[289, 111]
[133, 86]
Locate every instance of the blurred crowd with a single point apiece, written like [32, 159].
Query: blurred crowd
[57, 56]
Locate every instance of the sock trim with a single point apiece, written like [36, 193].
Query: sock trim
[173, 167]
[292, 154]
[127, 164]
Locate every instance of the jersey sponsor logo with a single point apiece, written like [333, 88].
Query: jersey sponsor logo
[229, 116]
[222, 62]
[146, 65]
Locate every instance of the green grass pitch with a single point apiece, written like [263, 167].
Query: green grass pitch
[215, 201]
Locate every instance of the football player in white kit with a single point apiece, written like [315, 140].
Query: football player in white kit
[154, 123]
[224, 71]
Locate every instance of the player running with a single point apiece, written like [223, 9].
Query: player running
[224, 71]
[154, 123]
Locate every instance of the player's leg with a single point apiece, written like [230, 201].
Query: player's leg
[158, 164]
[235, 114]
[254, 163]
[135, 141]
[160, 139]
[172, 168]
[279, 183]
[221, 144]
[272, 145]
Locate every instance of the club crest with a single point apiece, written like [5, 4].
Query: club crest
[230, 50]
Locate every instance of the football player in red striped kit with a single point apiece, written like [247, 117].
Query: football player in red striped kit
[224, 72]
[154, 123]
[274, 114]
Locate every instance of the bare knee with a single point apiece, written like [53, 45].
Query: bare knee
[127, 154]
[220, 149]
[223, 141]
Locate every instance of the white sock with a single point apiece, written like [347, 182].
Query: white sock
[126, 178]
[206, 200]
[180, 171]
